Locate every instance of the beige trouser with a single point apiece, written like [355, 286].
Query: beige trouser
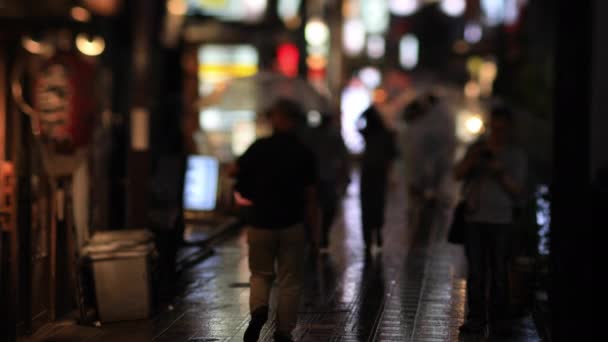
[286, 246]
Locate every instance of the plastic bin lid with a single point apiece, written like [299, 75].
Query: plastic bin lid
[133, 235]
[142, 250]
[132, 241]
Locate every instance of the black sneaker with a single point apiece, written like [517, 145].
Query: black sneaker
[379, 240]
[281, 337]
[472, 327]
[258, 319]
[501, 329]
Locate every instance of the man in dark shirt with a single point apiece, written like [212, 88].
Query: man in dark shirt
[277, 175]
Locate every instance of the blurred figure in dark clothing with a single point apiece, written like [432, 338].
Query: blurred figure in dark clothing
[380, 151]
[278, 177]
[493, 172]
[327, 144]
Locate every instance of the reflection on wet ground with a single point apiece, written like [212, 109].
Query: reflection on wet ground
[414, 290]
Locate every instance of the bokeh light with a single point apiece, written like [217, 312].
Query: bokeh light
[376, 46]
[408, 51]
[90, 46]
[375, 15]
[473, 32]
[353, 37]
[403, 7]
[453, 8]
[316, 32]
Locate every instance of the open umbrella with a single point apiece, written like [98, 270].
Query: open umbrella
[260, 91]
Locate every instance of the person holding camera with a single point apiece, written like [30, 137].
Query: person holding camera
[493, 171]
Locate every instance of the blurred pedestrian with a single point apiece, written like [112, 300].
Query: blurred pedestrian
[429, 152]
[328, 146]
[493, 171]
[378, 156]
[277, 176]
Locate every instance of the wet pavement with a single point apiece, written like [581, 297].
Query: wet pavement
[414, 290]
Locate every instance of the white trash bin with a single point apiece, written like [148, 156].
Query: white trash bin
[122, 264]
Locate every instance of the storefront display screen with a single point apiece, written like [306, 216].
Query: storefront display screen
[201, 183]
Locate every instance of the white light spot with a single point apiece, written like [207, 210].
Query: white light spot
[288, 9]
[408, 51]
[90, 46]
[375, 46]
[494, 11]
[314, 118]
[474, 124]
[403, 7]
[473, 33]
[353, 37]
[371, 77]
[355, 99]
[211, 119]
[453, 8]
[254, 9]
[316, 32]
[375, 15]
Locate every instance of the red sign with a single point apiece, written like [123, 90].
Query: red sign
[288, 57]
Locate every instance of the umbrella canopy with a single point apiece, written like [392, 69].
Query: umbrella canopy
[259, 92]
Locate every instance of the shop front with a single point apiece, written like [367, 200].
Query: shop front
[50, 94]
[225, 41]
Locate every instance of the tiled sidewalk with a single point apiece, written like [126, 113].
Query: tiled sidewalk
[413, 291]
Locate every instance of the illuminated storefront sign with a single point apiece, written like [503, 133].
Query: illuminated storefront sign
[229, 126]
[230, 10]
[220, 63]
[288, 57]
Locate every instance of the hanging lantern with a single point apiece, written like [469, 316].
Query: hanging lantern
[103, 7]
[62, 92]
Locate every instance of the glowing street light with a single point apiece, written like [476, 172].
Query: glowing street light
[90, 46]
[316, 32]
[474, 124]
[80, 14]
[36, 47]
